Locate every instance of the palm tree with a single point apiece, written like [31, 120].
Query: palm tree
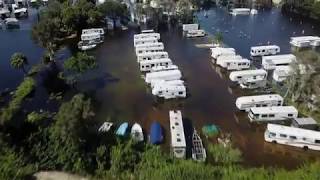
[18, 61]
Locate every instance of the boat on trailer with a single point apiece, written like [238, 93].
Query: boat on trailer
[198, 151]
[136, 132]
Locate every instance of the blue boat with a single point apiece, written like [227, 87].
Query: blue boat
[156, 134]
[121, 131]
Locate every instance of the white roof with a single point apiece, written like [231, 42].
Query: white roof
[264, 47]
[163, 68]
[240, 9]
[169, 87]
[153, 54]
[147, 31]
[259, 98]
[146, 35]
[293, 131]
[150, 44]
[305, 38]
[158, 75]
[176, 128]
[220, 49]
[176, 82]
[146, 39]
[305, 121]
[162, 60]
[248, 72]
[274, 109]
[225, 57]
[279, 59]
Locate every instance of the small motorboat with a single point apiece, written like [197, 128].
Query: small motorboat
[198, 151]
[105, 127]
[137, 133]
[121, 131]
[156, 134]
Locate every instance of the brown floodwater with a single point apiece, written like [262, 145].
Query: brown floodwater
[122, 95]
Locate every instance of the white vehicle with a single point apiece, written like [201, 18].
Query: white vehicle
[167, 91]
[233, 62]
[152, 55]
[146, 35]
[281, 73]
[240, 11]
[20, 12]
[190, 27]
[244, 103]
[150, 45]
[163, 75]
[163, 68]
[177, 82]
[149, 49]
[247, 75]
[147, 31]
[95, 37]
[4, 12]
[145, 41]
[218, 51]
[12, 23]
[148, 65]
[274, 113]
[264, 50]
[253, 83]
[86, 45]
[305, 41]
[292, 136]
[254, 12]
[137, 132]
[178, 141]
[196, 33]
[93, 30]
[271, 62]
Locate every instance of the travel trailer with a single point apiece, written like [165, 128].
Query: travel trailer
[146, 35]
[244, 103]
[178, 141]
[177, 82]
[281, 73]
[86, 45]
[218, 51]
[264, 50]
[168, 91]
[93, 30]
[150, 45]
[163, 75]
[195, 33]
[145, 41]
[149, 49]
[148, 65]
[163, 68]
[253, 83]
[292, 136]
[190, 27]
[240, 11]
[12, 23]
[274, 113]
[94, 37]
[305, 41]
[147, 31]
[233, 62]
[247, 75]
[151, 56]
[271, 62]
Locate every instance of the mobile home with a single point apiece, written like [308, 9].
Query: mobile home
[218, 51]
[292, 136]
[253, 83]
[148, 40]
[163, 68]
[240, 11]
[150, 45]
[177, 82]
[152, 55]
[168, 91]
[247, 75]
[274, 113]
[93, 30]
[148, 65]
[244, 103]
[178, 141]
[196, 33]
[141, 50]
[163, 75]
[190, 27]
[233, 62]
[305, 41]
[281, 73]
[264, 50]
[146, 35]
[271, 62]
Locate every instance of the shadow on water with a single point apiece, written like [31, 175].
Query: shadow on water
[188, 131]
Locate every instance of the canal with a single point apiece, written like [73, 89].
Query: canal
[122, 95]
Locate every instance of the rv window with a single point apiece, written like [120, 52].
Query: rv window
[160, 92]
[290, 115]
[178, 140]
[264, 115]
[272, 134]
[263, 50]
[283, 135]
[239, 77]
[317, 141]
[264, 105]
[254, 77]
[292, 137]
[180, 92]
[304, 138]
[228, 64]
[142, 66]
[177, 124]
[152, 65]
[271, 115]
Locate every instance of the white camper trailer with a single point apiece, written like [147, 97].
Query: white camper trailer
[292, 136]
[177, 82]
[163, 68]
[150, 45]
[247, 75]
[178, 141]
[149, 49]
[264, 50]
[305, 41]
[253, 83]
[146, 35]
[190, 27]
[152, 55]
[145, 41]
[167, 91]
[93, 37]
[271, 62]
[148, 65]
[218, 51]
[163, 75]
[147, 31]
[281, 73]
[244, 103]
[196, 33]
[233, 62]
[93, 30]
[274, 113]
[240, 11]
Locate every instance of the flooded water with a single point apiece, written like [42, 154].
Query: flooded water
[122, 95]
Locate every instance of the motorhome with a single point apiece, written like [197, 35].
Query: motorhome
[233, 62]
[253, 83]
[178, 140]
[281, 73]
[93, 30]
[148, 65]
[177, 82]
[146, 35]
[150, 45]
[147, 31]
[196, 33]
[149, 49]
[274, 113]
[247, 75]
[264, 50]
[218, 51]
[293, 136]
[240, 11]
[163, 68]
[190, 27]
[244, 103]
[163, 75]
[86, 45]
[305, 41]
[95, 37]
[271, 62]
[151, 56]
[145, 41]
[167, 91]
[4, 12]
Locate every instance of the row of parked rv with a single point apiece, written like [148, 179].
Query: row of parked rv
[90, 38]
[163, 76]
[18, 8]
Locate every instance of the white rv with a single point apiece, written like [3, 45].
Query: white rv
[281, 73]
[149, 49]
[253, 83]
[292, 136]
[240, 11]
[244, 103]
[196, 33]
[145, 41]
[264, 50]
[148, 65]
[218, 51]
[233, 62]
[163, 75]
[178, 140]
[163, 68]
[177, 82]
[305, 41]
[93, 30]
[190, 27]
[150, 45]
[271, 62]
[152, 55]
[167, 91]
[147, 31]
[94, 37]
[274, 113]
[146, 35]
[247, 75]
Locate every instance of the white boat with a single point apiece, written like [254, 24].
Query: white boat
[292, 136]
[137, 132]
[264, 50]
[198, 151]
[86, 45]
[244, 103]
[105, 127]
[271, 62]
[196, 33]
[305, 41]
[274, 113]
[178, 141]
[240, 11]
[254, 12]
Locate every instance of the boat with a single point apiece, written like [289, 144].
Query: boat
[254, 12]
[156, 134]
[11, 23]
[137, 133]
[198, 151]
[86, 45]
[105, 127]
[121, 131]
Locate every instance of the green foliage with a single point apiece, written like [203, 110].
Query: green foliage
[185, 11]
[80, 63]
[224, 155]
[18, 61]
[218, 37]
[36, 118]
[113, 9]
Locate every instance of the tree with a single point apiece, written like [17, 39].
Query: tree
[218, 38]
[114, 10]
[185, 11]
[18, 61]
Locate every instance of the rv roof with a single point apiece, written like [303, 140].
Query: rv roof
[305, 38]
[149, 44]
[153, 53]
[176, 128]
[162, 60]
[161, 73]
[248, 72]
[309, 134]
[306, 121]
[264, 47]
[147, 31]
[274, 109]
[169, 87]
[146, 39]
[259, 98]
